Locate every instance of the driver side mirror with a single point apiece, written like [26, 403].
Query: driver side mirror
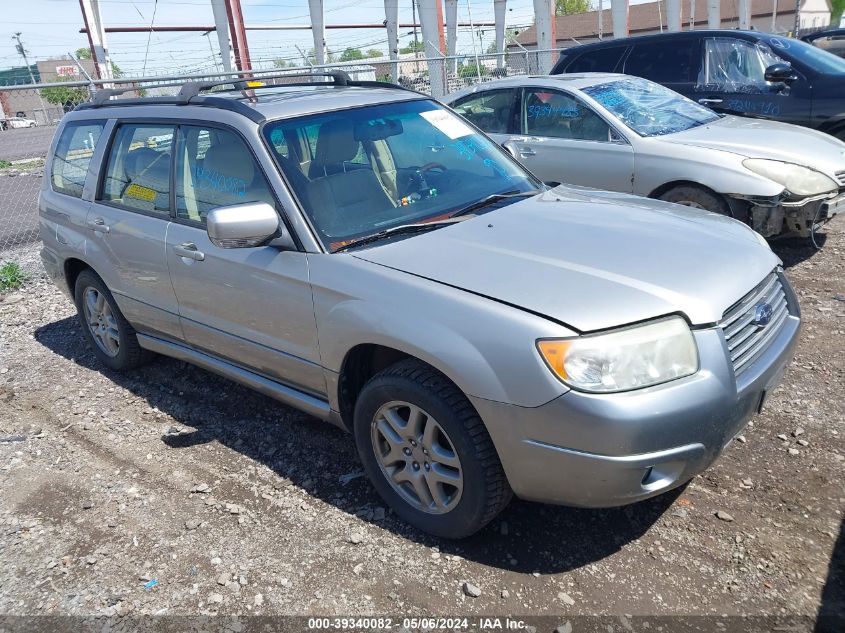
[780, 73]
[246, 225]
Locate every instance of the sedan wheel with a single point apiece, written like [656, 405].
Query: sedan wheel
[417, 457]
[697, 197]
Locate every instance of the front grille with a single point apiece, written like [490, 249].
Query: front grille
[747, 340]
[840, 177]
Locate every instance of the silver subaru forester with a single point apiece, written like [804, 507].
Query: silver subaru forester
[360, 252]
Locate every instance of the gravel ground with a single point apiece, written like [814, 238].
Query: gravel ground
[171, 490]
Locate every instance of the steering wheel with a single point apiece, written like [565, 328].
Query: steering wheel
[432, 166]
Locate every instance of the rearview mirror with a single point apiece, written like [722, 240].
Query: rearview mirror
[242, 225]
[780, 73]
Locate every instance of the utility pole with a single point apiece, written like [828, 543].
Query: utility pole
[20, 48]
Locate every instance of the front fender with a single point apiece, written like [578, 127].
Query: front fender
[717, 170]
[485, 347]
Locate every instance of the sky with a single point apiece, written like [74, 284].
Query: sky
[50, 28]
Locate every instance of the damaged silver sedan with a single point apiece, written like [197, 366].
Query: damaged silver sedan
[627, 134]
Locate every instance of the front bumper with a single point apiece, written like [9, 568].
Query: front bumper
[601, 450]
[799, 218]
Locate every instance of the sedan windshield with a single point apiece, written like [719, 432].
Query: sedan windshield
[361, 172]
[648, 108]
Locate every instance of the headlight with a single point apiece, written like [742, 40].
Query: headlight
[799, 180]
[631, 358]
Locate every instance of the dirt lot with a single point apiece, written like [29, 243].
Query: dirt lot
[233, 503]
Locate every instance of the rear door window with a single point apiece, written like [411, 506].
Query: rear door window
[602, 60]
[138, 170]
[490, 110]
[73, 156]
[666, 62]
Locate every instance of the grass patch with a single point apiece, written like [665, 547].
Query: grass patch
[4, 164]
[11, 276]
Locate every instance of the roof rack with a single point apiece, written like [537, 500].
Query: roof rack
[102, 95]
[191, 91]
[194, 88]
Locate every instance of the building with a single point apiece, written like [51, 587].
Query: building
[31, 103]
[646, 19]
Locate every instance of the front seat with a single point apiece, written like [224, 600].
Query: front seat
[337, 194]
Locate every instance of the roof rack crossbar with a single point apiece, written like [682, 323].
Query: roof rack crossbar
[192, 89]
[103, 95]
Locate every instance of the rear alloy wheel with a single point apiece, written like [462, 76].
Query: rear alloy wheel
[427, 452]
[111, 337]
[697, 198]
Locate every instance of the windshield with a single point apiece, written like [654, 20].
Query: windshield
[811, 56]
[648, 108]
[362, 171]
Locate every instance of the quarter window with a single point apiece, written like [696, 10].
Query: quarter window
[73, 156]
[138, 171]
[598, 61]
[490, 110]
[214, 168]
[557, 115]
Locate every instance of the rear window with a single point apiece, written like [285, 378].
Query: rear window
[73, 155]
[668, 61]
[602, 60]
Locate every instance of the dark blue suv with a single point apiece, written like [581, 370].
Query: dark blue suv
[738, 72]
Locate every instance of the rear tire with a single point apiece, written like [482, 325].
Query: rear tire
[697, 197]
[416, 431]
[108, 333]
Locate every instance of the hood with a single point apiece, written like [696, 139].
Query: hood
[591, 260]
[759, 138]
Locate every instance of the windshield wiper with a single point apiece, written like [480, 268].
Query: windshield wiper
[402, 229]
[496, 197]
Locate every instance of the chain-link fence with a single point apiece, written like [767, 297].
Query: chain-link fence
[29, 114]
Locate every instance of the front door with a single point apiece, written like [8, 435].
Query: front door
[128, 224]
[732, 80]
[564, 140]
[250, 306]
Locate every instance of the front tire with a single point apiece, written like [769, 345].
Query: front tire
[427, 452]
[109, 334]
[696, 197]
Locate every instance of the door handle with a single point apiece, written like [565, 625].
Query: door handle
[98, 225]
[189, 250]
[707, 102]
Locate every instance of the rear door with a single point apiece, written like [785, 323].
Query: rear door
[564, 140]
[128, 224]
[490, 110]
[250, 306]
[673, 62]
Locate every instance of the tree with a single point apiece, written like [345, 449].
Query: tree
[66, 96]
[571, 7]
[413, 47]
[85, 53]
[282, 63]
[374, 53]
[351, 54]
[836, 14]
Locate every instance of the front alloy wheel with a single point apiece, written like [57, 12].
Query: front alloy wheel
[417, 457]
[427, 452]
